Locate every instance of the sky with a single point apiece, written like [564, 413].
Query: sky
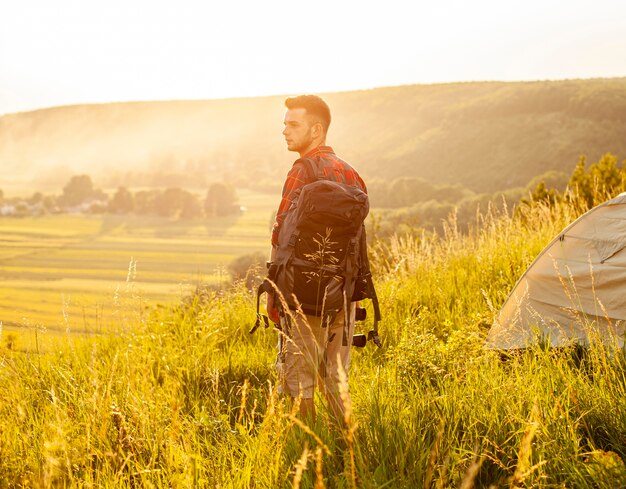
[68, 51]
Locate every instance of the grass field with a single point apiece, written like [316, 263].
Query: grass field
[184, 397]
[83, 274]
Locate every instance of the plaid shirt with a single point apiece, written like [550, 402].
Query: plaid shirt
[297, 178]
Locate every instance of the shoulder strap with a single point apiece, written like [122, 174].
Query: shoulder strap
[365, 264]
[264, 287]
[313, 171]
[373, 334]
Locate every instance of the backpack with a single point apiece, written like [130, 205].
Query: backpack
[321, 263]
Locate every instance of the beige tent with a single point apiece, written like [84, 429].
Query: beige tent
[575, 289]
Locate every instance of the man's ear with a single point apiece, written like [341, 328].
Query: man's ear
[317, 130]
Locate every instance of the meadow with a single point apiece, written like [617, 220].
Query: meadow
[183, 396]
[82, 273]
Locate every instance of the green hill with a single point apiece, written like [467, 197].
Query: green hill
[486, 136]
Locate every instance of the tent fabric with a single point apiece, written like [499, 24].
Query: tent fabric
[575, 290]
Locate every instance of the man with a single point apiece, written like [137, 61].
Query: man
[312, 351]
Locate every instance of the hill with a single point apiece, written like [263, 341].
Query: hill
[487, 136]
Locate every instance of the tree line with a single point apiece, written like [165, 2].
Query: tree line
[80, 195]
[431, 209]
[592, 186]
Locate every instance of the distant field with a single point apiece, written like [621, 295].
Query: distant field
[86, 274]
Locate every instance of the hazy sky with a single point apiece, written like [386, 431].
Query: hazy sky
[57, 52]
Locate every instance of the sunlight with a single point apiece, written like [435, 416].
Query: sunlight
[71, 52]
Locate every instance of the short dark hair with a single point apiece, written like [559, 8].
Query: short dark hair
[314, 106]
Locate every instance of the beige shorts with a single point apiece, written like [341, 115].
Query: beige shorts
[309, 353]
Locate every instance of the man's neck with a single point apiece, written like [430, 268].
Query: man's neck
[311, 147]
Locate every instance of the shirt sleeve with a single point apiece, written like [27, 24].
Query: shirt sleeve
[296, 179]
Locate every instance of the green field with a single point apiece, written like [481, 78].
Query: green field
[86, 274]
[184, 397]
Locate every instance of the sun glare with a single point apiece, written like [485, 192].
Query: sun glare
[73, 52]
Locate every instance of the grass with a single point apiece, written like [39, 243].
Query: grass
[65, 272]
[183, 397]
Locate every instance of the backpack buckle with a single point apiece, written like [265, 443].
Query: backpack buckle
[352, 247]
[293, 239]
[373, 336]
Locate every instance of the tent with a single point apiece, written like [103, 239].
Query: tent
[575, 290]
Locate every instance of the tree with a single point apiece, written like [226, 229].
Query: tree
[169, 202]
[79, 190]
[603, 180]
[406, 191]
[145, 201]
[122, 202]
[36, 198]
[220, 200]
[544, 194]
[191, 207]
[49, 203]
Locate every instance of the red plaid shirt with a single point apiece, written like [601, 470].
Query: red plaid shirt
[297, 178]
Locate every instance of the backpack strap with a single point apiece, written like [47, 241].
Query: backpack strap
[350, 262]
[264, 287]
[312, 169]
[373, 334]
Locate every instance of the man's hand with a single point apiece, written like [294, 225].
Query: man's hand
[272, 310]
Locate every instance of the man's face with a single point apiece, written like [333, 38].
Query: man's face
[297, 130]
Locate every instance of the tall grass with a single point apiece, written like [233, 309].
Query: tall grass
[185, 397]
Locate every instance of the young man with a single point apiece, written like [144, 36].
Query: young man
[312, 351]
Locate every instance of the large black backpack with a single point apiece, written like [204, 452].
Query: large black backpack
[321, 263]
